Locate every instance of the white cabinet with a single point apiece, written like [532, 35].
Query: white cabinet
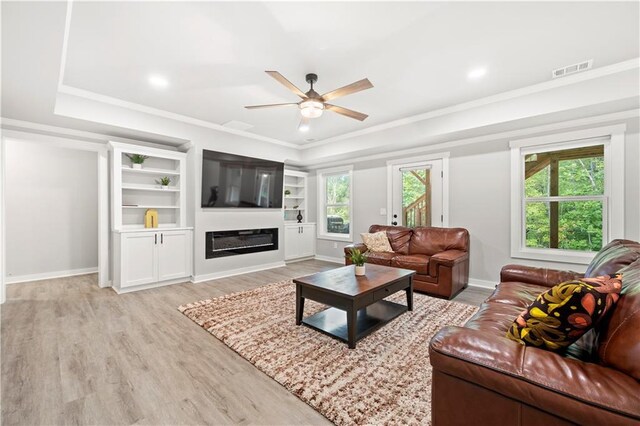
[149, 258]
[174, 260]
[162, 254]
[299, 240]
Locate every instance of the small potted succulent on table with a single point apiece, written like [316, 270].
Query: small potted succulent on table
[136, 160]
[164, 182]
[358, 258]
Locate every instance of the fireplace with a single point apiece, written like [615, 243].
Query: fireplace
[241, 241]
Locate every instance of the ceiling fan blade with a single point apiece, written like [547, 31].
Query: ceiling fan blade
[286, 83]
[358, 86]
[348, 112]
[270, 105]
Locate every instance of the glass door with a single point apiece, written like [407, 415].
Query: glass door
[417, 194]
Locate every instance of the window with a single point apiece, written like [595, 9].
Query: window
[334, 204]
[564, 200]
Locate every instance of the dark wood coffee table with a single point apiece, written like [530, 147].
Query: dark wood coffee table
[360, 297]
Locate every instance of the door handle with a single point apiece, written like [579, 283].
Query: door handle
[155, 238]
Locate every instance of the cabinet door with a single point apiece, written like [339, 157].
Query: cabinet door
[139, 259]
[174, 259]
[291, 242]
[308, 241]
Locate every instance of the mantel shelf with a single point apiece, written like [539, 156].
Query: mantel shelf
[126, 169]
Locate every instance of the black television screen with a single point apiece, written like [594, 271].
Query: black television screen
[235, 181]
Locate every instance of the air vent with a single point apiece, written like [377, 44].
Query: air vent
[572, 69]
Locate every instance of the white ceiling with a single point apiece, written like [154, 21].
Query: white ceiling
[417, 55]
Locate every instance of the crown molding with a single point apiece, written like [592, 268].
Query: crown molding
[97, 97]
[504, 96]
[599, 119]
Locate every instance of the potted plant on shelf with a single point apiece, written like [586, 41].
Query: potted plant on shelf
[136, 160]
[358, 259]
[287, 192]
[164, 182]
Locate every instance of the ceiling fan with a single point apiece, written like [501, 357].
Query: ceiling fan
[312, 104]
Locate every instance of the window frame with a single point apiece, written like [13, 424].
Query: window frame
[322, 203]
[612, 137]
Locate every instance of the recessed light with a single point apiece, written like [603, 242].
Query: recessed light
[476, 73]
[158, 81]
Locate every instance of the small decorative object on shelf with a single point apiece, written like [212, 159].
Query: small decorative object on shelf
[164, 182]
[136, 160]
[358, 259]
[299, 217]
[287, 192]
[151, 218]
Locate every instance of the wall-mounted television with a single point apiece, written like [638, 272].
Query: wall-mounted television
[230, 181]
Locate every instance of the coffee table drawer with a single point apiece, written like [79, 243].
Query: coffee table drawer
[389, 290]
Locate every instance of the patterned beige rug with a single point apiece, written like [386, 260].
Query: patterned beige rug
[385, 380]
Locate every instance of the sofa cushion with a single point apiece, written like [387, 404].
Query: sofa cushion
[517, 294]
[559, 316]
[376, 242]
[613, 257]
[619, 345]
[399, 236]
[429, 240]
[416, 262]
[494, 318]
[380, 258]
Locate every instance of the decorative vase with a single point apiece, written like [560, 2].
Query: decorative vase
[136, 166]
[299, 217]
[359, 270]
[164, 186]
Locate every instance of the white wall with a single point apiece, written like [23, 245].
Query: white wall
[208, 219]
[479, 198]
[51, 210]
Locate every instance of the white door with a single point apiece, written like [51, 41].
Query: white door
[291, 242]
[139, 258]
[307, 241]
[417, 194]
[174, 260]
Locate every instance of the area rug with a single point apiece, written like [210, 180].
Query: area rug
[385, 380]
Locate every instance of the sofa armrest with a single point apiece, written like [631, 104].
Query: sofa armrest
[359, 246]
[569, 388]
[449, 257]
[539, 276]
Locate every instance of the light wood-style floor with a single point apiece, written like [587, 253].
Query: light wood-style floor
[73, 353]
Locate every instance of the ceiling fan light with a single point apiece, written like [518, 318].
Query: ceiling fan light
[311, 108]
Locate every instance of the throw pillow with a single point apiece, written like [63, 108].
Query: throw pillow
[559, 316]
[376, 242]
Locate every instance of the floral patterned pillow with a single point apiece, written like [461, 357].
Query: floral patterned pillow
[559, 316]
[377, 242]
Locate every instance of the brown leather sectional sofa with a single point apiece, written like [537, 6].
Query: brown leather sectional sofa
[440, 256]
[482, 378]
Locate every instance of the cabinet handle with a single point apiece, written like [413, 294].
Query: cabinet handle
[155, 238]
[161, 238]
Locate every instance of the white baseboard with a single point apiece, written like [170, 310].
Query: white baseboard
[239, 271]
[329, 259]
[491, 285]
[151, 285]
[49, 275]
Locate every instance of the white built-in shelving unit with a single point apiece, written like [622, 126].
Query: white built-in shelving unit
[299, 238]
[149, 257]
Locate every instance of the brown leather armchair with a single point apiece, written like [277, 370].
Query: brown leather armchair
[440, 256]
[480, 377]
